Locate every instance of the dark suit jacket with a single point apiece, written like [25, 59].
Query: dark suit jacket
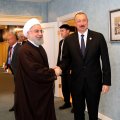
[59, 61]
[23, 42]
[87, 69]
[13, 65]
[59, 53]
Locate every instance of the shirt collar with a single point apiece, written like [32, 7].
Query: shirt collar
[33, 43]
[85, 33]
[14, 45]
[19, 43]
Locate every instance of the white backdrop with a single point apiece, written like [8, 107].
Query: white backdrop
[51, 43]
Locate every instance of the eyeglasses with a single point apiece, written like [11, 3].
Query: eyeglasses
[37, 31]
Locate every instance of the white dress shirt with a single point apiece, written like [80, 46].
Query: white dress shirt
[12, 50]
[85, 37]
[61, 50]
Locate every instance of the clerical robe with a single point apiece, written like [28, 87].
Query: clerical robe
[34, 89]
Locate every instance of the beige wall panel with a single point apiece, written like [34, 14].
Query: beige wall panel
[3, 52]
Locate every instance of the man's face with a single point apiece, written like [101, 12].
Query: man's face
[35, 34]
[64, 32]
[21, 37]
[81, 22]
[11, 39]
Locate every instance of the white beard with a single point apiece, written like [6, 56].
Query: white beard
[39, 42]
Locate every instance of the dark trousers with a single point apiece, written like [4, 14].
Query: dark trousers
[92, 100]
[66, 87]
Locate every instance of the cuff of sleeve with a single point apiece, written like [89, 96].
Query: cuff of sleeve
[54, 77]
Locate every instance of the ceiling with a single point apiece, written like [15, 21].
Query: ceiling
[41, 1]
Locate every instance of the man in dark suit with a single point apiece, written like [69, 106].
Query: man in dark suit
[12, 57]
[83, 50]
[65, 77]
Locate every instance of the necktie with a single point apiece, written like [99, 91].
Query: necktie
[82, 45]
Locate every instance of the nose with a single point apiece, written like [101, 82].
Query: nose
[41, 32]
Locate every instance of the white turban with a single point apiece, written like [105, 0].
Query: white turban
[29, 24]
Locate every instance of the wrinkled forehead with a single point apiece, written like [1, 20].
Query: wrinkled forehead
[10, 35]
[37, 26]
[80, 16]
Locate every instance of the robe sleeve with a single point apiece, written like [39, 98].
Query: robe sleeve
[34, 68]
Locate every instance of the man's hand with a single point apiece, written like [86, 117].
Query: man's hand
[105, 88]
[58, 71]
[5, 67]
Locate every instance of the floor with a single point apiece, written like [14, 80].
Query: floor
[6, 101]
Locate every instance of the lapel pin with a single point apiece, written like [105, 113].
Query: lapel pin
[90, 38]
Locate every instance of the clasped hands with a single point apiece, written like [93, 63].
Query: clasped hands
[58, 71]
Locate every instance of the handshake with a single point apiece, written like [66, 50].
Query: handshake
[58, 71]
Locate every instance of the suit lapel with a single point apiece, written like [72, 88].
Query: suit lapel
[77, 44]
[14, 51]
[42, 52]
[60, 50]
[89, 39]
[44, 55]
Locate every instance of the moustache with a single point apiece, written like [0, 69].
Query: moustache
[82, 26]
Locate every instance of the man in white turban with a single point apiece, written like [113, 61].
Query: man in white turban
[34, 98]
[26, 29]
